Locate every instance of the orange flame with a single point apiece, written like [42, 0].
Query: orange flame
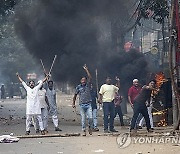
[160, 79]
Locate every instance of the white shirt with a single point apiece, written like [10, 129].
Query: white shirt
[33, 104]
[42, 95]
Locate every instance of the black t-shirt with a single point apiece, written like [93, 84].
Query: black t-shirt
[143, 96]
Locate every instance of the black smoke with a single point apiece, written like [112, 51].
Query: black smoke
[69, 29]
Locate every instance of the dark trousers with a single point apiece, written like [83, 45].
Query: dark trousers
[119, 112]
[3, 95]
[140, 108]
[108, 109]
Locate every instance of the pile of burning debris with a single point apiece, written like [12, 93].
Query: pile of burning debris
[159, 108]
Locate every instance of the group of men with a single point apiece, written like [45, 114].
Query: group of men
[108, 96]
[140, 99]
[40, 103]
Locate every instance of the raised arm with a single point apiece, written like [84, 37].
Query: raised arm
[42, 81]
[88, 73]
[20, 79]
[46, 78]
[118, 82]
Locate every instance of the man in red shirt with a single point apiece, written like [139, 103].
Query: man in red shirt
[133, 92]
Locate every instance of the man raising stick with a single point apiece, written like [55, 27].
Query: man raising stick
[33, 105]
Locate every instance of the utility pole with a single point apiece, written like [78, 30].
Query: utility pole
[174, 50]
[163, 43]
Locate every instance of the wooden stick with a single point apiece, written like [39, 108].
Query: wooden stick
[52, 64]
[43, 65]
[48, 135]
[97, 85]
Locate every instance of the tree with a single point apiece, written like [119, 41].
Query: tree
[158, 10]
[7, 7]
[13, 54]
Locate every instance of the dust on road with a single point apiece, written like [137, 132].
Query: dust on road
[12, 120]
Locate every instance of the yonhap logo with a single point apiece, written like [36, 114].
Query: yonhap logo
[124, 140]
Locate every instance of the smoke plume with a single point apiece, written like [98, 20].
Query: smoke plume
[73, 30]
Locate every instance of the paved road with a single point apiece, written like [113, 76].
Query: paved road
[12, 120]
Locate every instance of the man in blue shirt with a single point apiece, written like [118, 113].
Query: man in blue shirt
[83, 90]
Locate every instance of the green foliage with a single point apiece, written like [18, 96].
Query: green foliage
[156, 9]
[6, 6]
[13, 54]
[14, 58]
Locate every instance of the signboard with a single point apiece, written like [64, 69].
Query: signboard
[31, 76]
[154, 50]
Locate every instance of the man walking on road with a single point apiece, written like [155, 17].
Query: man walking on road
[85, 100]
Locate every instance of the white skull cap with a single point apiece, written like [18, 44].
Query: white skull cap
[135, 80]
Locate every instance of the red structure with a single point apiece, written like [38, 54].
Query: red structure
[128, 46]
[178, 31]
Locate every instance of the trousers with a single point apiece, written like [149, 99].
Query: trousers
[140, 108]
[29, 121]
[150, 117]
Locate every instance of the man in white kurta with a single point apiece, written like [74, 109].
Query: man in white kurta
[33, 107]
[44, 106]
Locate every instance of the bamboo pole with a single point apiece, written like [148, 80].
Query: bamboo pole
[43, 66]
[97, 86]
[48, 135]
[52, 64]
